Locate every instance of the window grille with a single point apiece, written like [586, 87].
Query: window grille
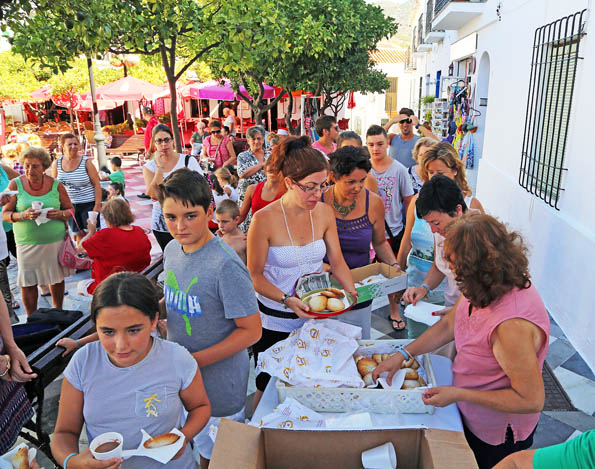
[549, 102]
[429, 16]
[420, 30]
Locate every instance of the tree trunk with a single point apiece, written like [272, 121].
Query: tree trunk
[171, 80]
[288, 115]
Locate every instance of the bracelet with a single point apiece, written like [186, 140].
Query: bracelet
[427, 287]
[403, 351]
[67, 458]
[11, 217]
[395, 263]
[78, 343]
[285, 298]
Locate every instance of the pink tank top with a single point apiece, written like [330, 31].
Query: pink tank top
[217, 152]
[475, 366]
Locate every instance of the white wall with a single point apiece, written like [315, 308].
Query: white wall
[562, 243]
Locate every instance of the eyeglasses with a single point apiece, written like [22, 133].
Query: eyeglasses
[159, 141]
[405, 121]
[325, 186]
[337, 128]
[215, 131]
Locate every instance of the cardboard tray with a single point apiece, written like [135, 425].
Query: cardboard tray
[241, 446]
[396, 281]
[391, 401]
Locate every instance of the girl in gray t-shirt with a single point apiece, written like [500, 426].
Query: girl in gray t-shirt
[128, 380]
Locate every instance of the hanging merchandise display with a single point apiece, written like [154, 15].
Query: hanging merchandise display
[440, 118]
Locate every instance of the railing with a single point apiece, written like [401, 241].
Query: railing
[414, 42]
[429, 16]
[441, 4]
[420, 30]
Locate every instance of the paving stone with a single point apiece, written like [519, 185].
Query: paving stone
[575, 419]
[559, 352]
[578, 365]
[556, 331]
[550, 432]
[580, 389]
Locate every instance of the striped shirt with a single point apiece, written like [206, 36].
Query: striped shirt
[77, 183]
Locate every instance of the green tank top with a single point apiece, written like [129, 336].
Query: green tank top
[27, 231]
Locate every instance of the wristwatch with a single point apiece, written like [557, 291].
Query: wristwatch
[427, 287]
[417, 125]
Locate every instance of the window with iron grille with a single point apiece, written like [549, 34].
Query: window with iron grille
[551, 88]
[429, 16]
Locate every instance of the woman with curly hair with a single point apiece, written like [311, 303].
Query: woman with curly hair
[500, 329]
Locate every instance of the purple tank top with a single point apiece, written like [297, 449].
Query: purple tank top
[355, 237]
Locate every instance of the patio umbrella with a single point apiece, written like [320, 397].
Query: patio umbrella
[42, 94]
[126, 89]
[222, 90]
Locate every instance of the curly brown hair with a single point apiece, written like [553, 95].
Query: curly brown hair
[488, 260]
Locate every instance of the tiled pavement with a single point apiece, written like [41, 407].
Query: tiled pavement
[569, 368]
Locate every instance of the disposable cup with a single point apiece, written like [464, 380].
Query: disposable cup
[381, 457]
[106, 438]
[37, 205]
[93, 217]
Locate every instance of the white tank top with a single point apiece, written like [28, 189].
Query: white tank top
[283, 267]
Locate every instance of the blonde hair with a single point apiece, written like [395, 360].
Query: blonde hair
[424, 142]
[445, 152]
[38, 153]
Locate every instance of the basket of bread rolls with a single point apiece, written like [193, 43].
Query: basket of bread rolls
[323, 294]
[406, 398]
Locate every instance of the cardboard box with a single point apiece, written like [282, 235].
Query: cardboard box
[241, 446]
[396, 281]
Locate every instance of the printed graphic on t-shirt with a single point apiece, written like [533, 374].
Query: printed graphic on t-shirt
[386, 186]
[178, 301]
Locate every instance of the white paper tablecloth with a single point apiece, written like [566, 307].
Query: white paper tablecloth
[446, 418]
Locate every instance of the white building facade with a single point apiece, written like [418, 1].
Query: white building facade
[531, 64]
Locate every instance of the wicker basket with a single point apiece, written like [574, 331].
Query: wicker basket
[378, 401]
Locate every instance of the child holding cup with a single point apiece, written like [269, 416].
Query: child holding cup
[127, 381]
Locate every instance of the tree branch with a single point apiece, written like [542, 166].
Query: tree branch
[196, 57]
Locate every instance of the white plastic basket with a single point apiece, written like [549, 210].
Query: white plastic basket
[392, 401]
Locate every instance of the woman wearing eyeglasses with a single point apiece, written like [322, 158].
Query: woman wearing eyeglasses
[165, 160]
[288, 239]
[217, 149]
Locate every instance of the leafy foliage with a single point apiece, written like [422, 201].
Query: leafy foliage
[18, 77]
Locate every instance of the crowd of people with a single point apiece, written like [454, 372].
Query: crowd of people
[234, 245]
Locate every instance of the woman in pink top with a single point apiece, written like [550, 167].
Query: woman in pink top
[501, 330]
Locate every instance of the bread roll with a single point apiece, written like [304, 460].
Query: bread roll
[410, 384]
[414, 365]
[410, 373]
[368, 379]
[366, 365]
[358, 358]
[422, 382]
[335, 305]
[328, 294]
[386, 356]
[338, 293]
[407, 363]
[21, 459]
[161, 440]
[318, 303]
[377, 357]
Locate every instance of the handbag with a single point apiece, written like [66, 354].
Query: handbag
[69, 255]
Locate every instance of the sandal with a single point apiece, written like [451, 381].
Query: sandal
[399, 322]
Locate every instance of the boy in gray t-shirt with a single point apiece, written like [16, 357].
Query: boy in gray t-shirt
[210, 301]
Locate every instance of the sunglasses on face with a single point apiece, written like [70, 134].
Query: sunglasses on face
[159, 141]
[405, 121]
[325, 186]
[215, 131]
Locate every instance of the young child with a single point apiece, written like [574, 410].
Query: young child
[225, 180]
[116, 175]
[210, 301]
[128, 380]
[227, 214]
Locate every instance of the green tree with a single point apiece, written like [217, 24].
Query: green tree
[253, 41]
[55, 32]
[330, 50]
[19, 77]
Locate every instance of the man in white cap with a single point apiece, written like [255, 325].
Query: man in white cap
[282, 133]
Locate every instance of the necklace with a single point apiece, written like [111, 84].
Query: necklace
[343, 210]
[38, 188]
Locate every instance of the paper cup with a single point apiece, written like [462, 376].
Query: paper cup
[37, 205]
[381, 457]
[93, 217]
[106, 438]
